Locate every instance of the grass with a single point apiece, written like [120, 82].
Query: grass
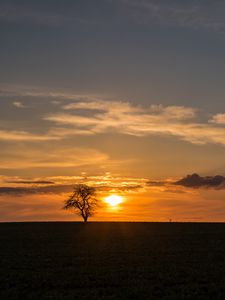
[112, 261]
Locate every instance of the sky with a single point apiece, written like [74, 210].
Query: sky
[123, 95]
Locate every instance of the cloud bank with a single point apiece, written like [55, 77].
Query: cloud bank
[110, 184]
[16, 186]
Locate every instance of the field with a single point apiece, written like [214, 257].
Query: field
[112, 261]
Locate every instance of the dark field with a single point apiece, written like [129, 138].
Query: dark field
[112, 261]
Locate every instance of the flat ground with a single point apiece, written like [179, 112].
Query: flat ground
[112, 261]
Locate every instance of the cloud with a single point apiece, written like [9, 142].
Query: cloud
[56, 96]
[31, 182]
[196, 15]
[193, 181]
[97, 116]
[13, 191]
[62, 132]
[29, 203]
[121, 107]
[204, 15]
[13, 135]
[218, 119]
[20, 191]
[165, 201]
[121, 117]
[196, 181]
[156, 183]
[165, 186]
[18, 104]
[65, 184]
[85, 115]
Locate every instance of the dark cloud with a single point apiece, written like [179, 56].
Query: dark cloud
[59, 189]
[13, 191]
[31, 182]
[197, 181]
[191, 181]
[51, 189]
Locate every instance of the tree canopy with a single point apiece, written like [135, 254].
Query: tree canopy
[83, 200]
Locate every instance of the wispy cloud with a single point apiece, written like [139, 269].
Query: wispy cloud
[121, 117]
[84, 114]
[54, 185]
[56, 96]
[13, 135]
[18, 104]
[206, 15]
[218, 119]
[110, 184]
[125, 118]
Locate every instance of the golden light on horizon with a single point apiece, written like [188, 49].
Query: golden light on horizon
[114, 200]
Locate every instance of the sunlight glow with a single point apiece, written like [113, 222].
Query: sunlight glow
[113, 200]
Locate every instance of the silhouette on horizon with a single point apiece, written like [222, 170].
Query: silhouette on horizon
[83, 201]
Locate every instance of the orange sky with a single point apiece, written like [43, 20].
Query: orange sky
[158, 201]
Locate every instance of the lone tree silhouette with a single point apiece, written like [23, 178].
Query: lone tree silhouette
[83, 201]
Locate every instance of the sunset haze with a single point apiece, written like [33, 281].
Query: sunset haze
[126, 96]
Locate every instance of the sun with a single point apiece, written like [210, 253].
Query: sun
[113, 200]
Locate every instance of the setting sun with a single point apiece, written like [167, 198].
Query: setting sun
[113, 200]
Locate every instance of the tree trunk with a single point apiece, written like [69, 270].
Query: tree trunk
[85, 219]
[84, 216]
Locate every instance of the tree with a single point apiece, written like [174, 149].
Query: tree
[83, 200]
